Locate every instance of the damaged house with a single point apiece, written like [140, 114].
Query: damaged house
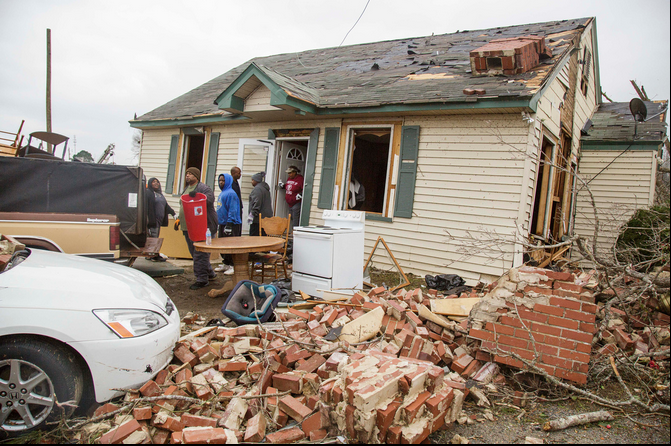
[459, 140]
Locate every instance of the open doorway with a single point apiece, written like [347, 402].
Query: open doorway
[290, 152]
[194, 146]
[368, 171]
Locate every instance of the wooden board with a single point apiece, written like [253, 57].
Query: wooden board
[363, 328]
[433, 317]
[454, 307]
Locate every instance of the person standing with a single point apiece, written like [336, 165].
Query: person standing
[228, 214]
[236, 173]
[259, 202]
[294, 197]
[202, 268]
[158, 210]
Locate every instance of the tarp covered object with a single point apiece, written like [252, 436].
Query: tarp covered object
[38, 185]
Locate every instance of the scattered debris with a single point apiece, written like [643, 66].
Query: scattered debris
[577, 420]
[377, 367]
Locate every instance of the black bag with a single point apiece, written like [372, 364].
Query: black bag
[444, 282]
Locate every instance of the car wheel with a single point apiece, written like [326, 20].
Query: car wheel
[39, 383]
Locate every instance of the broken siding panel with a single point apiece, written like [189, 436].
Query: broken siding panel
[624, 186]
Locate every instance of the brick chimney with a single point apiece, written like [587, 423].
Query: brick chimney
[509, 56]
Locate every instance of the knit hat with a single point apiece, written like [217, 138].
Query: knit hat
[194, 171]
[258, 177]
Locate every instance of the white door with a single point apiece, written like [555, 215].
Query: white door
[254, 156]
[290, 153]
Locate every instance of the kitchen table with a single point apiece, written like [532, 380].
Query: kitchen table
[239, 248]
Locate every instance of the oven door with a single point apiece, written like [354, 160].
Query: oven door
[313, 253]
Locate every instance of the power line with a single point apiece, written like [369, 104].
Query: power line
[357, 21]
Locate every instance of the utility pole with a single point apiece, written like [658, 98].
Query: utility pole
[49, 147]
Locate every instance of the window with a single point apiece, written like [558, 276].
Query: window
[368, 176]
[586, 63]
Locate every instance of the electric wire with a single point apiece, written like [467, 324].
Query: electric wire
[357, 21]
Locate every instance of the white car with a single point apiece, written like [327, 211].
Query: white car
[74, 329]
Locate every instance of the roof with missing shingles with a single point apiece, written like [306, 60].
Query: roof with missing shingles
[614, 122]
[414, 70]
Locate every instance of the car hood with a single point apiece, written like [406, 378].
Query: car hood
[101, 284]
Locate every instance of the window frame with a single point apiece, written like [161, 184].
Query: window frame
[391, 176]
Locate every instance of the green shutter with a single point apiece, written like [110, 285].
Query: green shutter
[172, 160]
[271, 134]
[309, 177]
[210, 176]
[329, 167]
[407, 171]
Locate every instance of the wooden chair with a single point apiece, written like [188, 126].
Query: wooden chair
[272, 227]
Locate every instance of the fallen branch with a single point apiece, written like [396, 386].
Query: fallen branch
[577, 420]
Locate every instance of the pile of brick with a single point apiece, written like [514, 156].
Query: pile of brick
[541, 316]
[396, 387]
[396, 373]
[641, 328]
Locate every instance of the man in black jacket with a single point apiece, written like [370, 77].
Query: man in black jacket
[202, 268]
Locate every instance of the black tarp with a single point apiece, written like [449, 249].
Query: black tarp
[39, 185]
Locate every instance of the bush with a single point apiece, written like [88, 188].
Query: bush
[644, 240]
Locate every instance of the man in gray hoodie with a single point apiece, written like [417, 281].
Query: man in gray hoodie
[259, 202]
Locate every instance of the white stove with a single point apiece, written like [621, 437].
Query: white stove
[330, 257]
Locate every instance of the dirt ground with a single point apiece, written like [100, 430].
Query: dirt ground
[510, 424]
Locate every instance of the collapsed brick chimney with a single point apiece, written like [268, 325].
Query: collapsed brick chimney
[509, 56]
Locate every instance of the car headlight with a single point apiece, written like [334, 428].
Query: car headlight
[131, 323]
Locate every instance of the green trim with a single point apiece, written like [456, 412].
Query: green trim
[399, 108]
[597, 71]
[278, 97]
[327, 180]
[171, 122]
[617, 145]
[309, 178]
[232, 103]
[378, 217]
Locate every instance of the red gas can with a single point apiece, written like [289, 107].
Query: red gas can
[195, 214]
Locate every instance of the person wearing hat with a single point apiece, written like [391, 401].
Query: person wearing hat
[202, 268]
[294, 188]
[259, 202]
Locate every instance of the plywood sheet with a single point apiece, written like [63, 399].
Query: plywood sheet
[454, 307]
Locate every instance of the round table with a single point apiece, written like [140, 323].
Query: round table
[239, 247]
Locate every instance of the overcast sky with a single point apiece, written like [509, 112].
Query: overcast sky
[113, 59]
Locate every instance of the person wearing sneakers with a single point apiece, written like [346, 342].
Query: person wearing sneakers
[228, 214]
[202, 268]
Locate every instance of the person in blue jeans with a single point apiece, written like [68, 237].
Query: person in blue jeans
[228, 215]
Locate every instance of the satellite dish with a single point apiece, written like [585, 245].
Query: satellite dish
[638, 109]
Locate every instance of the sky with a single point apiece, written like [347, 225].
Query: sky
[111, 60]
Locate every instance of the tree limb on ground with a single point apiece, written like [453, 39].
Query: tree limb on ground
[577, 420]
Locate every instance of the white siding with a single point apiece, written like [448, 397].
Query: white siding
[469, 181]
[259, 100]
[624, 186]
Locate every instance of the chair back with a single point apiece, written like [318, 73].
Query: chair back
[276, 227]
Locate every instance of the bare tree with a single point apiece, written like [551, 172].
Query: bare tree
[136, 145]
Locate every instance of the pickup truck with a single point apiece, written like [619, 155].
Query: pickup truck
[94, 210]
[90, 235]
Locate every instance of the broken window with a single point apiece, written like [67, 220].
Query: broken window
[368, 174]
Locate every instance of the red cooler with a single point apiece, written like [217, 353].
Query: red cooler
[195, 214]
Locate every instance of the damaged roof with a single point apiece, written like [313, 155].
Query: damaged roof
[613, 122]
[421, 70]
